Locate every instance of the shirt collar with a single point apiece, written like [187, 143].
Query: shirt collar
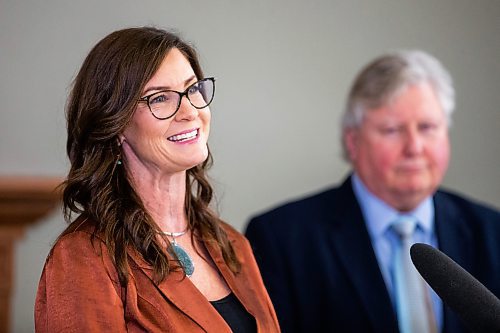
[379, 215]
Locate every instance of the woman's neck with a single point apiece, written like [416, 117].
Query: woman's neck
[164, 198]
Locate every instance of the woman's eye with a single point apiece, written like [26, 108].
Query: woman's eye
[161, 98]
[195, 88]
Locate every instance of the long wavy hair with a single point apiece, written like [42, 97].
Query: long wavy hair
[101, 104]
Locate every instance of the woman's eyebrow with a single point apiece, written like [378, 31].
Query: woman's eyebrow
[186, 82]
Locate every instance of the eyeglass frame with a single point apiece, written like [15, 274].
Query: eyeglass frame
[181, 94]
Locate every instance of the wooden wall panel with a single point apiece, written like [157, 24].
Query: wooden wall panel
[23, 201]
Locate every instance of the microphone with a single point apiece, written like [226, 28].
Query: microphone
[478, 308]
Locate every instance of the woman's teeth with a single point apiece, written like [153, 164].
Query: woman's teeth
[184, 136]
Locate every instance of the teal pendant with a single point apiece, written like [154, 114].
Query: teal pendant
[184, 259]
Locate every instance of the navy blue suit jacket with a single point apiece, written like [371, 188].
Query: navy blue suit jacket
[319, 267]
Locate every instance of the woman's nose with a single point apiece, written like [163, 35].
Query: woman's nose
[186, 110]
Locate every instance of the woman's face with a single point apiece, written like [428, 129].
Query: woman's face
[172, 145]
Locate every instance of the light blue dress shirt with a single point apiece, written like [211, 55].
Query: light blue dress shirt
[378, 218]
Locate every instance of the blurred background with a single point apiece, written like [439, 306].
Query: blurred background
[283, 70]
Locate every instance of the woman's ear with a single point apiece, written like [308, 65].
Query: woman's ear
[119, 139]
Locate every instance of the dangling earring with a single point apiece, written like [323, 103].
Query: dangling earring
[119, 156]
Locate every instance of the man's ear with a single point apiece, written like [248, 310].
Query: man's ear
[351, 141]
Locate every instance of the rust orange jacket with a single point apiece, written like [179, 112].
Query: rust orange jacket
[79, 291]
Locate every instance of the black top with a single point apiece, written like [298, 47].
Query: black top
[235, 315]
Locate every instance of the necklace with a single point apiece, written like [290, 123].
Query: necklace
[175, 234]
[179, 252]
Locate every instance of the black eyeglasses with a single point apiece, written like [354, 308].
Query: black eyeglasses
[164, 104]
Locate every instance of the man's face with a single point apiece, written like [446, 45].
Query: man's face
[401, 150]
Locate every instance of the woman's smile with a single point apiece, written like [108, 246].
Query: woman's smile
[185, 136]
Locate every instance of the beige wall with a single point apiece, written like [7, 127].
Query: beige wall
[283, 70]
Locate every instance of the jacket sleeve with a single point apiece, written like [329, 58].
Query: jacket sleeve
[273, 268]
[79, 289]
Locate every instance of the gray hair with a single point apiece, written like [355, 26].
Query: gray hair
[387, 76]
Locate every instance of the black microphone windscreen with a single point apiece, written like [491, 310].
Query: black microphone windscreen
[478, 308]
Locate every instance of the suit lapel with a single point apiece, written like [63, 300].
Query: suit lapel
[456, 241]
[454, 238]
[352, 241]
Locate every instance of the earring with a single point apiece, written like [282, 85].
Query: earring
[119, 156]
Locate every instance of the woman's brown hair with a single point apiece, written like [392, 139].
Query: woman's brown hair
[101, 103]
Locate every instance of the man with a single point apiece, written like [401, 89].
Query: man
[332, 262]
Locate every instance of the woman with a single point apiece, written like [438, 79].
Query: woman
[146, 253]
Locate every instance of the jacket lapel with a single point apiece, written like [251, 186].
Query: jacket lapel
[456, 241]
[179, 290]
[243, 291]
[454, 238]
[227, 274]
[352, 241]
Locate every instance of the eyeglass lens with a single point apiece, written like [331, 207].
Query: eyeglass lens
[164, 104]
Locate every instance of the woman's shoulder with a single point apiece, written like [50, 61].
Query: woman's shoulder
[83, 224]
[237, 239]
[78, 237]
[231, 232]
[79, 250]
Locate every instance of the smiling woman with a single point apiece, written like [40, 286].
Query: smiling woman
[145, 253]
[175, 138]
